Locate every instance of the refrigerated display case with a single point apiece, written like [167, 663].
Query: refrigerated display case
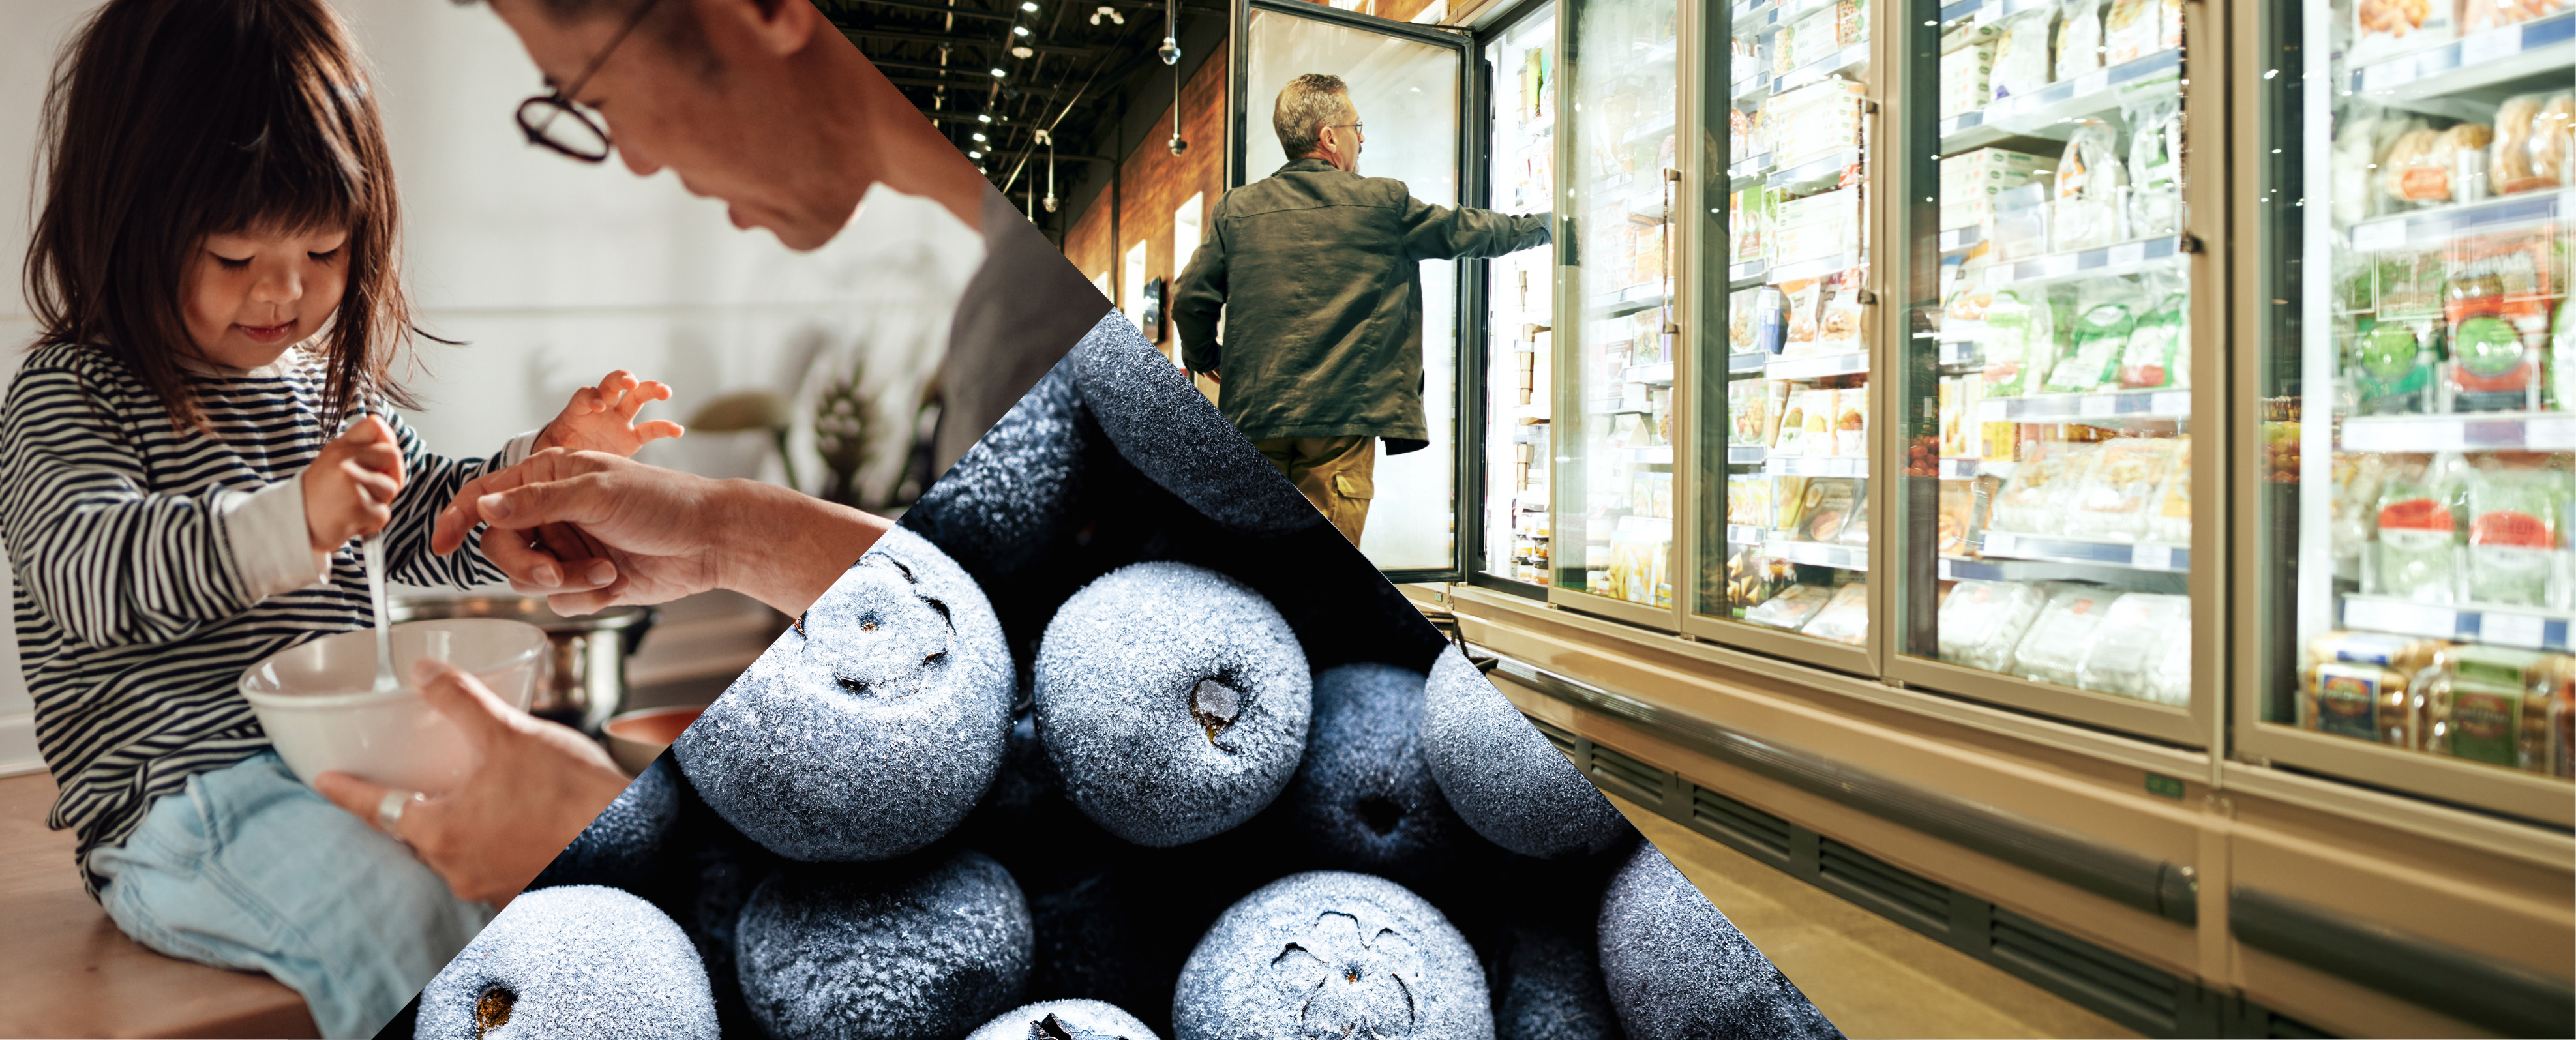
[2417, 474]
[1520, 65]
[1614, 472]
[1783, 556]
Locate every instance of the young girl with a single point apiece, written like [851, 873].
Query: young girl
[199, 433]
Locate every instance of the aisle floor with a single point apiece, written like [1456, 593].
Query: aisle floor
[1871, 976]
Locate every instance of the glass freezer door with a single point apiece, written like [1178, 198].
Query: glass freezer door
[1520, 67]
[2417, 466]
[2047, 395]
[1409, 85]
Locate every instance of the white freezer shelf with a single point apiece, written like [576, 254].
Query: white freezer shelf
[1814, 175]
[1651, 375]
[1818, 554]
[1744, 454]
[1813, 466]
[2476, 60]
[2109, 404]
[1817, 267]
[2143, 556]
[2042, 112]
[2503, 626]
[1752, 361]
[1816, 366]
[1965, 568]
[1658, 455]
[2500, 431]
[2100, 262]
[1744, 534]
[2435, 228]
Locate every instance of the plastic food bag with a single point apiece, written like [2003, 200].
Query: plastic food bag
[2171, 523]
[2022, 58]
[2129, 32]
[1845, 618]
[2086, 209]
[2423, 166]
[2419, 532]
[2481, 15]
[2122, 493]
[2155, 168]
[2134, 633]
[2386, 27]
[2020, 336]
[2156, 354]
[2054, 647]
[1982, 621]
[2514, 535]
[2101, 334]
[2035, 499]
[2079, 38]
[1791, 608]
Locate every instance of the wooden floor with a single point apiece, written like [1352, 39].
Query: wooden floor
[66, 971]
[1871, 976]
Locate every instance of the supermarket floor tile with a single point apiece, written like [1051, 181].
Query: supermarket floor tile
[1871, 976]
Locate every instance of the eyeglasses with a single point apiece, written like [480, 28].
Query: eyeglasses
[1355, 127]
[554, 121]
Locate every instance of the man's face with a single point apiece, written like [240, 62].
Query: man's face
[698, 112]
[1342, 139]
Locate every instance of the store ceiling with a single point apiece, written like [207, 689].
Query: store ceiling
[1068, 65]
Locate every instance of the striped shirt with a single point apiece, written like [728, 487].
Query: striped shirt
[154, 565]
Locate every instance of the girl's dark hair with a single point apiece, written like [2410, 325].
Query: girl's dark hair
[169, 120]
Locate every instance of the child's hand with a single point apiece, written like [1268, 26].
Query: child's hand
[602, 418]
[349, 489]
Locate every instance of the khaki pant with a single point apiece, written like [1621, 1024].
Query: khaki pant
[1332, 472]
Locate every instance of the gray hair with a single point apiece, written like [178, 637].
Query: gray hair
[1306, 104]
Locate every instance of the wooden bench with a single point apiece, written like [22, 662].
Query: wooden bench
[65, 970]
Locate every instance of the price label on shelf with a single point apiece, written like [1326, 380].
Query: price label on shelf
[2481, 48]
[2058, 266]
[2152, 557]
[1999, 542]
[2379, 235]
[2523, 630]
[2097, 405]
[2129, 253]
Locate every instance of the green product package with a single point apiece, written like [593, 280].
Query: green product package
[2486, 703]
[2152, 358]
[2513, 535]
[2020, 336]
[2393, 363]
[2419, 534]
[2099, 336]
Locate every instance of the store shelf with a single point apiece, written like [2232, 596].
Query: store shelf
[1815, 268]
[1853, 59]
[1952, 12]
[2111, 404]
[2435, 228]
[1661, 124]
[1748, 362]
[2504, 626]
[2148, 254]
[1757, 16]
[2140, 556]
[1814, 175]
[1748, 274]
[1813, 466]
[1749, 172]
[1818, 554]
[1954, 468]
[1656, 455]
[2499, 431]
[1991, 11]
[1629, 300]
[2474, 61]
[1750, 90]
[1651, 375]
[1817, 366]
[1744, 454]
[1962, 239]
[2046, 112]
[1963, 351]
[1652, 527]
[1966, 568]
[1744, 534]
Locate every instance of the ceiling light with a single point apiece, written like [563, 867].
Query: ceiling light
[1019, 30]
[980, 138]
[999, 74]
[1030, 6]
[983, 117]
[1023, 52]
[976, 154]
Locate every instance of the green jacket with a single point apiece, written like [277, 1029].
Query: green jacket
[1319, 274]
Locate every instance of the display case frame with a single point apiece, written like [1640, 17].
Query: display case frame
[2262, 660]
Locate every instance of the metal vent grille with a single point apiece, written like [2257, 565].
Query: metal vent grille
[1896, 892]
[1745, 826]
[1563, 740]
[2140, 997]
[1646, 782]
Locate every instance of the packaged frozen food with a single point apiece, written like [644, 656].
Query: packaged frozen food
[2422, 166]
[2356, 700]
[1982, 621]
[2134, 631]
[2079, 38]
[1748, 501]
[1770, 320]
[1792, 436]
[1844, 618]
[2020, 337]
[2054, 647]
[2492, 369]
[2130, 31]
[1790, 498]
[2034, 501]
[1747, 408]
[2384, 28]
[1971, 180]
[1805, 297]
[1838, 324]
[2171, 523]
[1966, 78]
[2086, 210]
[2022, 56]
[2549, 717]
[2101, 334]
[2168, 24]
[2478, 713]
[2168, 678]
[1833, 504]
[1851, 423]
[2017, 226]
[1791, 608]
[2155, 168]
[2122, 494]
[2393, 366]
[2363, 139]
[1820, 226]
[2482, 15]
[1957, 507]
[2514, 536]
[2419, 530]
[2156, 354]
[1851, 22]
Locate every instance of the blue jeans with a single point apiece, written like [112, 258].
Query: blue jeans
[251, 870]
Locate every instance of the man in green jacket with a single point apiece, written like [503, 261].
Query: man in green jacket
[1319, 270]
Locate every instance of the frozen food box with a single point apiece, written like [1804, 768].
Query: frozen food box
[1971, 180]
[1820, 226]
[2134, 632]
[1982, 621]
[1966, 78]
[2054, 647]
[1844, 618]
[1851, 423]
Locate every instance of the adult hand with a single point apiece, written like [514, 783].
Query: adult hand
[540, 783]
[648, 535]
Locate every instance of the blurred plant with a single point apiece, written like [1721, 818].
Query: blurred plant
[845, 424]
[746, 411]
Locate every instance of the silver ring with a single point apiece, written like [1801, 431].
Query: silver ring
[389, 812]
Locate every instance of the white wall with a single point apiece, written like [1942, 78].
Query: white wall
[555, 271]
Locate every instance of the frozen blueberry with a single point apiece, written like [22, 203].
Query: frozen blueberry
[1014, 495]
[1548, 986]
[1502, 775]
[1065, 1020]
[581, 962]
[1166, 427]
[1363, 796]
[873, 724]
[1677, 968]
[1331, 954]
[621, 847]
[1172, 700]
[928, 947]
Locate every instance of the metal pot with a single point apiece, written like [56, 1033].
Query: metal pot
[587, 682]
